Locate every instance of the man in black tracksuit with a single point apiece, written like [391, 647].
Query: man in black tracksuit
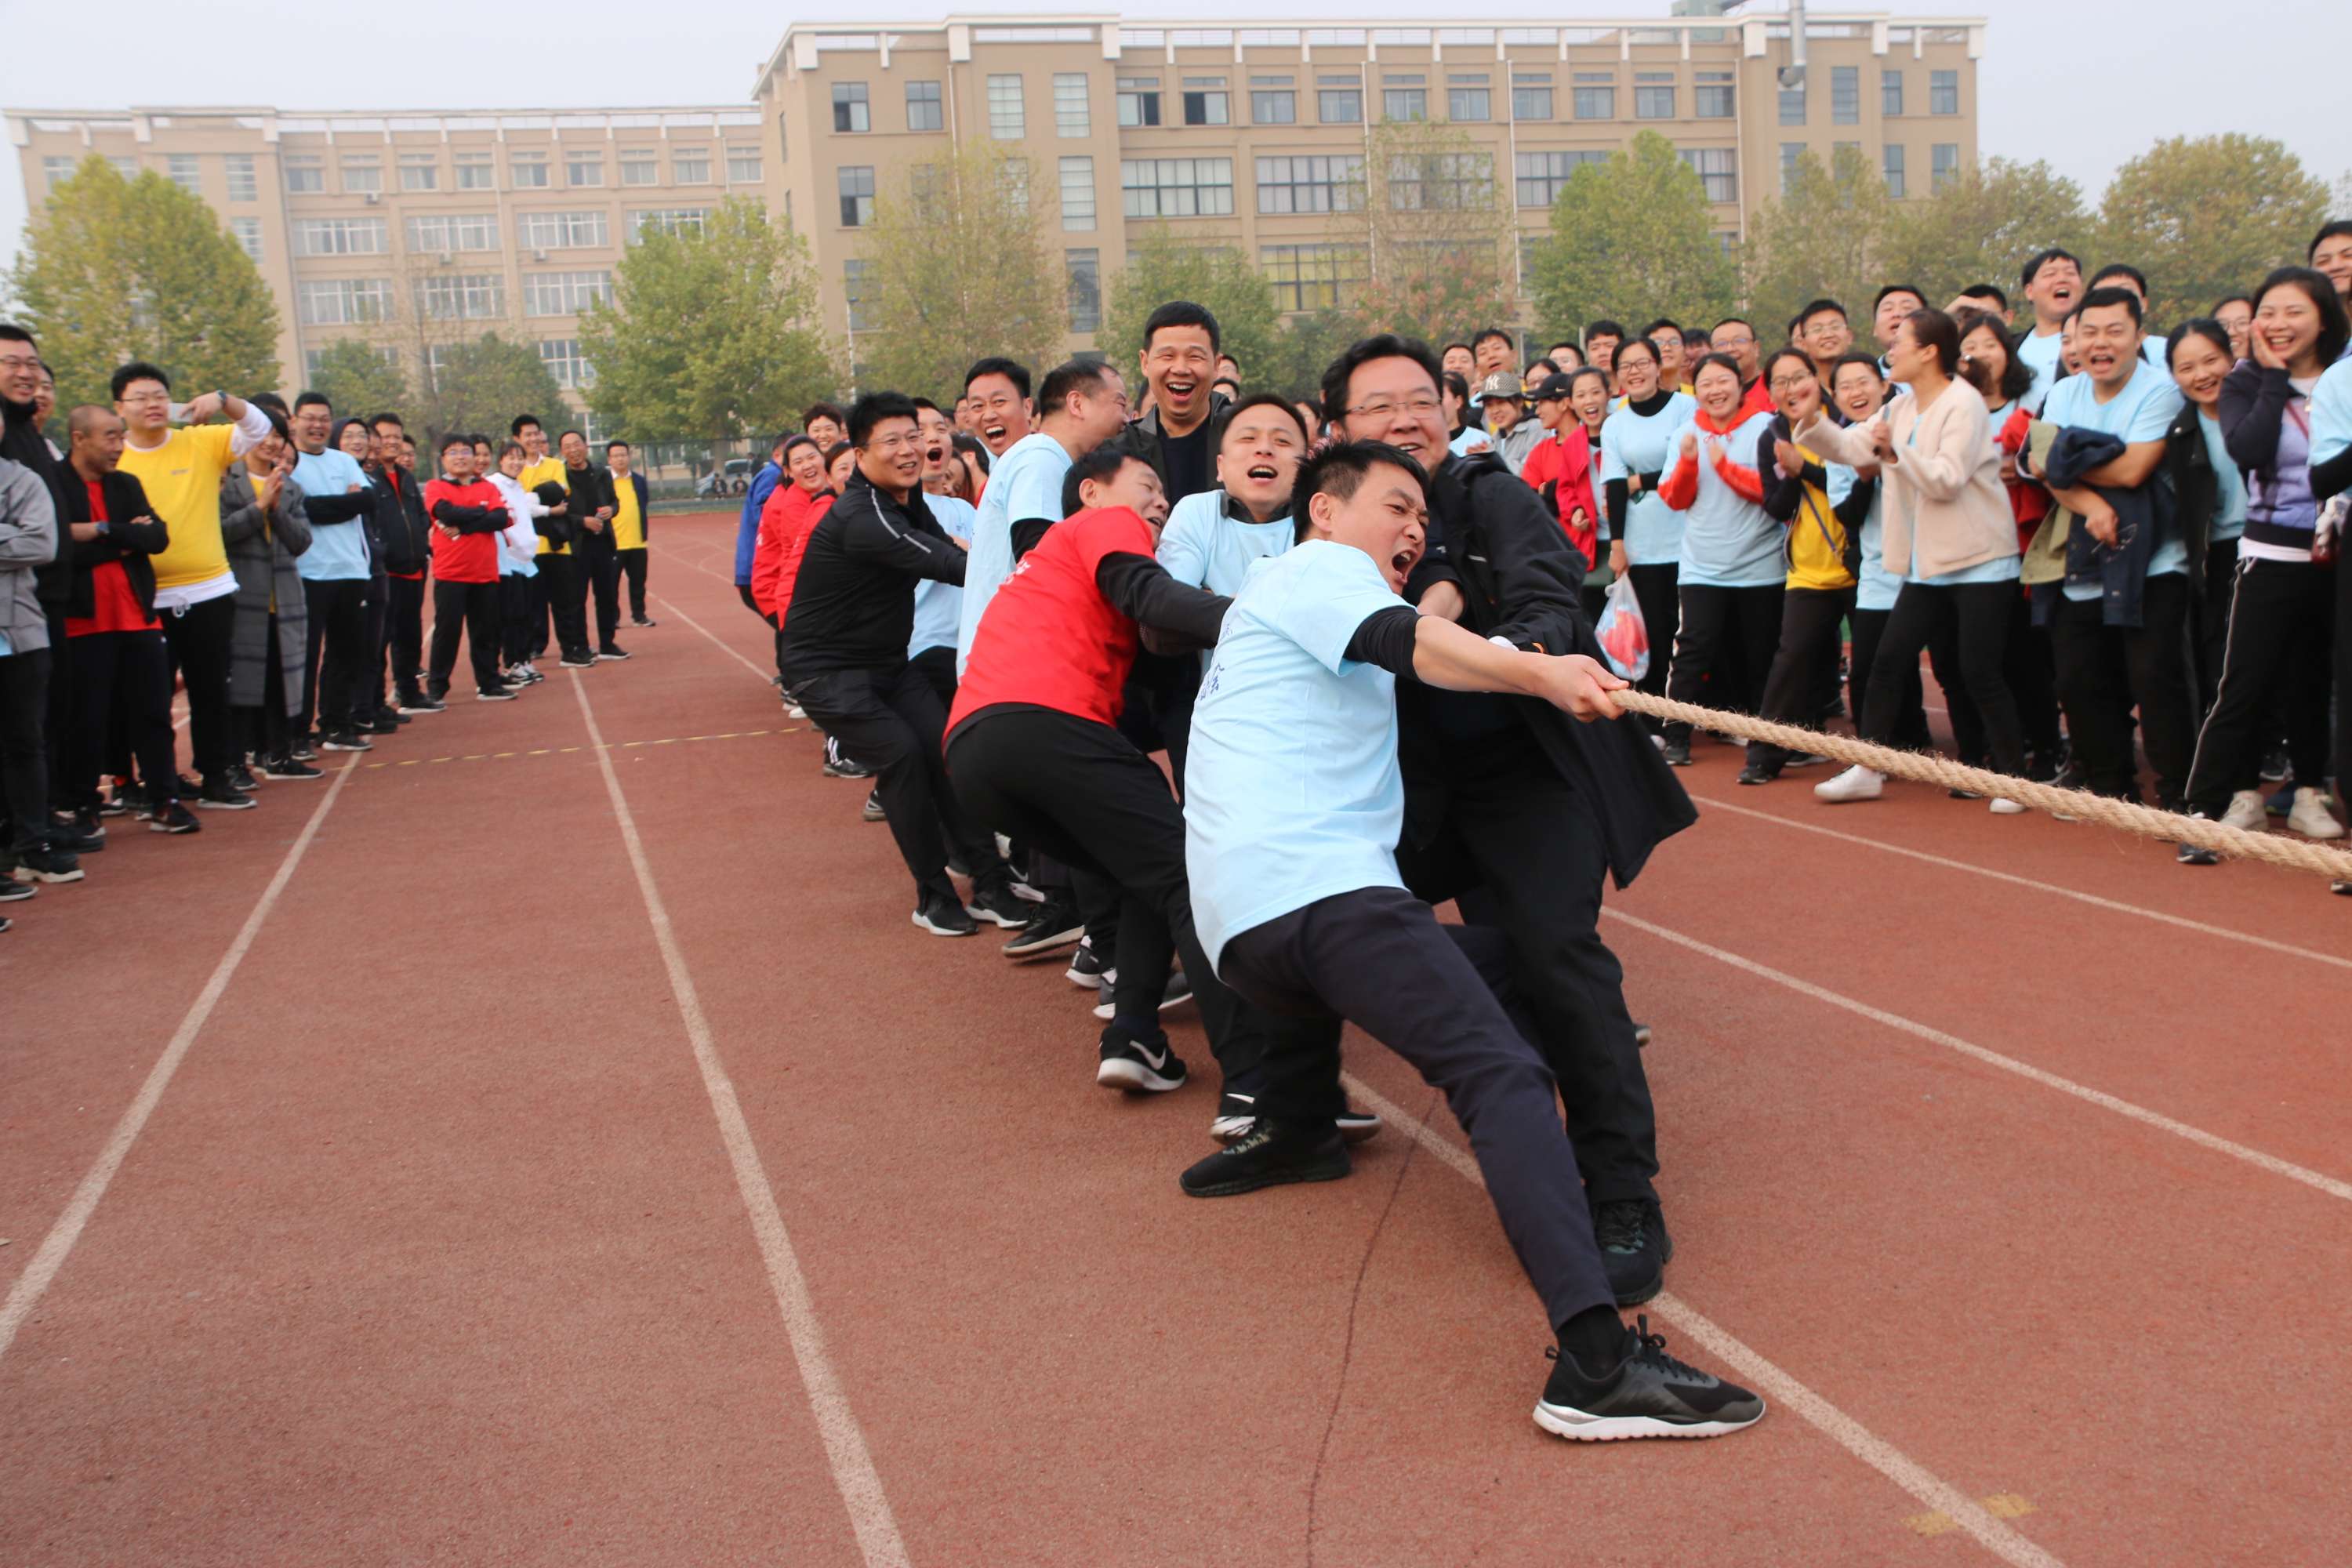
[852, 615]
[1514, 809]
[407, 553]
[600, 564]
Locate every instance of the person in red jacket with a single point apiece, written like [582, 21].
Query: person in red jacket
[791, 510]
[468, 514]
[1562, 464]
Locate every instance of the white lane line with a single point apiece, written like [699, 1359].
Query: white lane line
[693, 565]
[669, 609]
[2105, 1101]
[1778, 1386]
[2199, 927]
[25, 1294]
[845, 1442]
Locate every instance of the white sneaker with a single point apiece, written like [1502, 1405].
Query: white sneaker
[1857, 782]
[2002, 807]
[2246, 812]
[2310, 815]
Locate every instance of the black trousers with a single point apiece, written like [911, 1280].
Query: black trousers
[890, 720]
[2282, 636]
[1811, 620]
[64, 712]
[129, 671]
[199, 639]
[2103, 672]
[2025, 666]
[1724, 633]
[263, 730]
[335, 665]
[24, 746]
[405, 632]
[633, 566]
[1378, 958]
[1083, 794]
[1523, 855]
[519, 609]
[1911, 721]
[369, 700]
[561, 596]
[1657, 590]
[2343, 675]
[1975, 617]
[600, 564]
[472, 608]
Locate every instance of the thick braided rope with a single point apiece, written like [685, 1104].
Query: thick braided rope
[1920, 767]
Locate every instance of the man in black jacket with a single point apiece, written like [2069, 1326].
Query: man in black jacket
[852, 615]
[1514, 809]
[592, 507]
[407, 553]
[39, 690]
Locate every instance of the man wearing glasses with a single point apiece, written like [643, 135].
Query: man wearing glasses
[1734, 336]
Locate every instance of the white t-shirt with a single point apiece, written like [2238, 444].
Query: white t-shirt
[1026, 482]
[2143, 411]
[1202, 547]
[1292, 791]
[518, 540]
[1635, 443]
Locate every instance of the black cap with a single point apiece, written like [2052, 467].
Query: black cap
[1555, 386]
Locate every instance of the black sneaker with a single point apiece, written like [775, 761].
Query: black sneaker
[346, 741]
[379, 724]
[1635, 1248]
[183, 787]
[221, 798]
[578, 661]
[116, 805]
[1269, 1155]
[999, 907]
[1648, 1394]
[1050, 929]
[86, 823]
[643, 621]
[67, 835]
[1140, 1067]
[1757, 774]
[14, 891]
[2275, 766]
[241, 777]
[1678, 753]
[173, 818]
[943, 917]
[2191, 855]
[872, 810]
[1805, 760]
[611, 652]
[1179, 991]
[1641, 1034]
[494, 694]
[302, 750]
[1238, 1114]
[288, 768]
[48, 865]
[838, 764]
[416, 702]
[1085, 971]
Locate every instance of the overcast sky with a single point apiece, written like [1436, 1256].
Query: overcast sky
[2083, 84]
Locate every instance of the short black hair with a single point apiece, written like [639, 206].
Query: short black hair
[2248, 299]
[838, 450]
[1663, 325]
[2339, 229]
[2041, 259]
[388, 418]
[1816, 308]
[789, 442]
[1102, 466]
[1855, 356]
[1012, 370]
[875, 407]
[1604, 327]
[10, 333]
[2100, 299]
[1787, 351]
[1082, 375]
[928, 404]
[1449, 348]
[454, 439]
[1641, 345]
[309, 399]
[504, 448]
[1232, 411]
[1731, 322]
[1880, 298]
[1361, 353]
[515, 426]
[137, 369]
[1184, 313]
[269, 400]
[2119, 269]
[2016, 375]
[816, 411]
[1481, 336]
[1987, 291]
[616, 441]
[1723, 362]
[278, 425]
[2205, 327]
[1454, 382]
[2335, 330]
[1339, 470]
[569, 434]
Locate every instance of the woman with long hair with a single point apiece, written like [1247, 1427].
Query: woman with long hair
[1645, 534]
[2209, 491]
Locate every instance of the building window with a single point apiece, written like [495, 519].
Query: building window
[1713, 97]
[1205, 103]
[1340, 100]
[1541, 176]
[247, 232]
[1890, 93]
[1441, 181]
[419, 172]
[1790, 151]
[561, 358]
[472, 296]
[689, 166]
[743, 165]
[1530, 97]
[341, 237]
[452, 232]
[923, 108]
[305, 176]
[344, 301]
[1718, 169]
[1944, 159]
[529, 170]
[1138, 100]
[1273, 102]
[1072, 120]
[364, 176]
[243, 186]
[640, 166]
[668, 220]
[1311, 184]
[1077, 195]
[1085, 267]
[1008, 120]
[1177, 187]
[56, 171]
[1468, 99]
[1654, 95]
[564, 293]
[1894, 167]
[561, 231]
[853, 293]
[857, 184]
[1792, 105]
[1943, 92]
[182, 168]
[1312, 277]
[1403, 98]
[584, 169]
[477, 172]
[1845, 95]
[1596, 95]
[850, 110]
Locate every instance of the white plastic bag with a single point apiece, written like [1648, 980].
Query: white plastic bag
[1623, 635]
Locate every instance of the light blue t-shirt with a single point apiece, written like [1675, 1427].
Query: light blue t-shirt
[2230, 482]
[939, 606]
[2331, 412]
[1292, 791]
[2041, 355]
[1728, 541]
[338, 551]
[1472, 436]
[1026, 482]
[1635, 443]
[1203, 547]
[1876, 587]
[2143, 411]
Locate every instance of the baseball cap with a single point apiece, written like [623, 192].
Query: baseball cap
[1502, 384]
[1554, 388]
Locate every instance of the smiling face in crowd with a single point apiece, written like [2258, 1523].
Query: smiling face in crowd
[1718, 390]
[1000, 414]
[2057, 284]
[1178, 362]
[2237, 319]
[1387, 518]
[2107, 339]
[2198, 368]
[1393, 400]
[806, 466]
[1135, 487]
[1637, 369]
[1258, 457]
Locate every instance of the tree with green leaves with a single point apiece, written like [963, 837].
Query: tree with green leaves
[1161, 266]
[956, 269]
[115, 269]
[2208, 217]
[1980, 226]
[1308, 345]
[711, 331]
[1631, 236]
[1436, 232]
[359, 379]
[482, 384]
[1825, 235]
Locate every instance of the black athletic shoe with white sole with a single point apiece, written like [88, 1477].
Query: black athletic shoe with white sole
[999, 907]
[872, 810]
[944, 917]
[1051, 928]
[1648, 1394]
[1085, 971]
[171, 818]
[1271, 1154]
[1140, 1067]
[1179, 991]
[1238, 1114]
[1635, 1248]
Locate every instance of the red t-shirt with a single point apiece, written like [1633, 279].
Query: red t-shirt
[469, 557]
[114, 607]
[1567, 464]
[1050, 640]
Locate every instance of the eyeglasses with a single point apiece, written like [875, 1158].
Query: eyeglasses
[1723, 342]
[898, 443]
[1420, 405]
[19, 361]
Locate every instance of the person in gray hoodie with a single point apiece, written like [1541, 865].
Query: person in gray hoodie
[29, 541]
[264, 527]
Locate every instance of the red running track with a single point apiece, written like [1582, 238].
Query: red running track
[546, 1140]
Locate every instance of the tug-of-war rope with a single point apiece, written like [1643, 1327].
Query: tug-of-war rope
[1920, 767]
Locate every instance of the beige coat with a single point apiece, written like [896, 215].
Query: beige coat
[1944, 497]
